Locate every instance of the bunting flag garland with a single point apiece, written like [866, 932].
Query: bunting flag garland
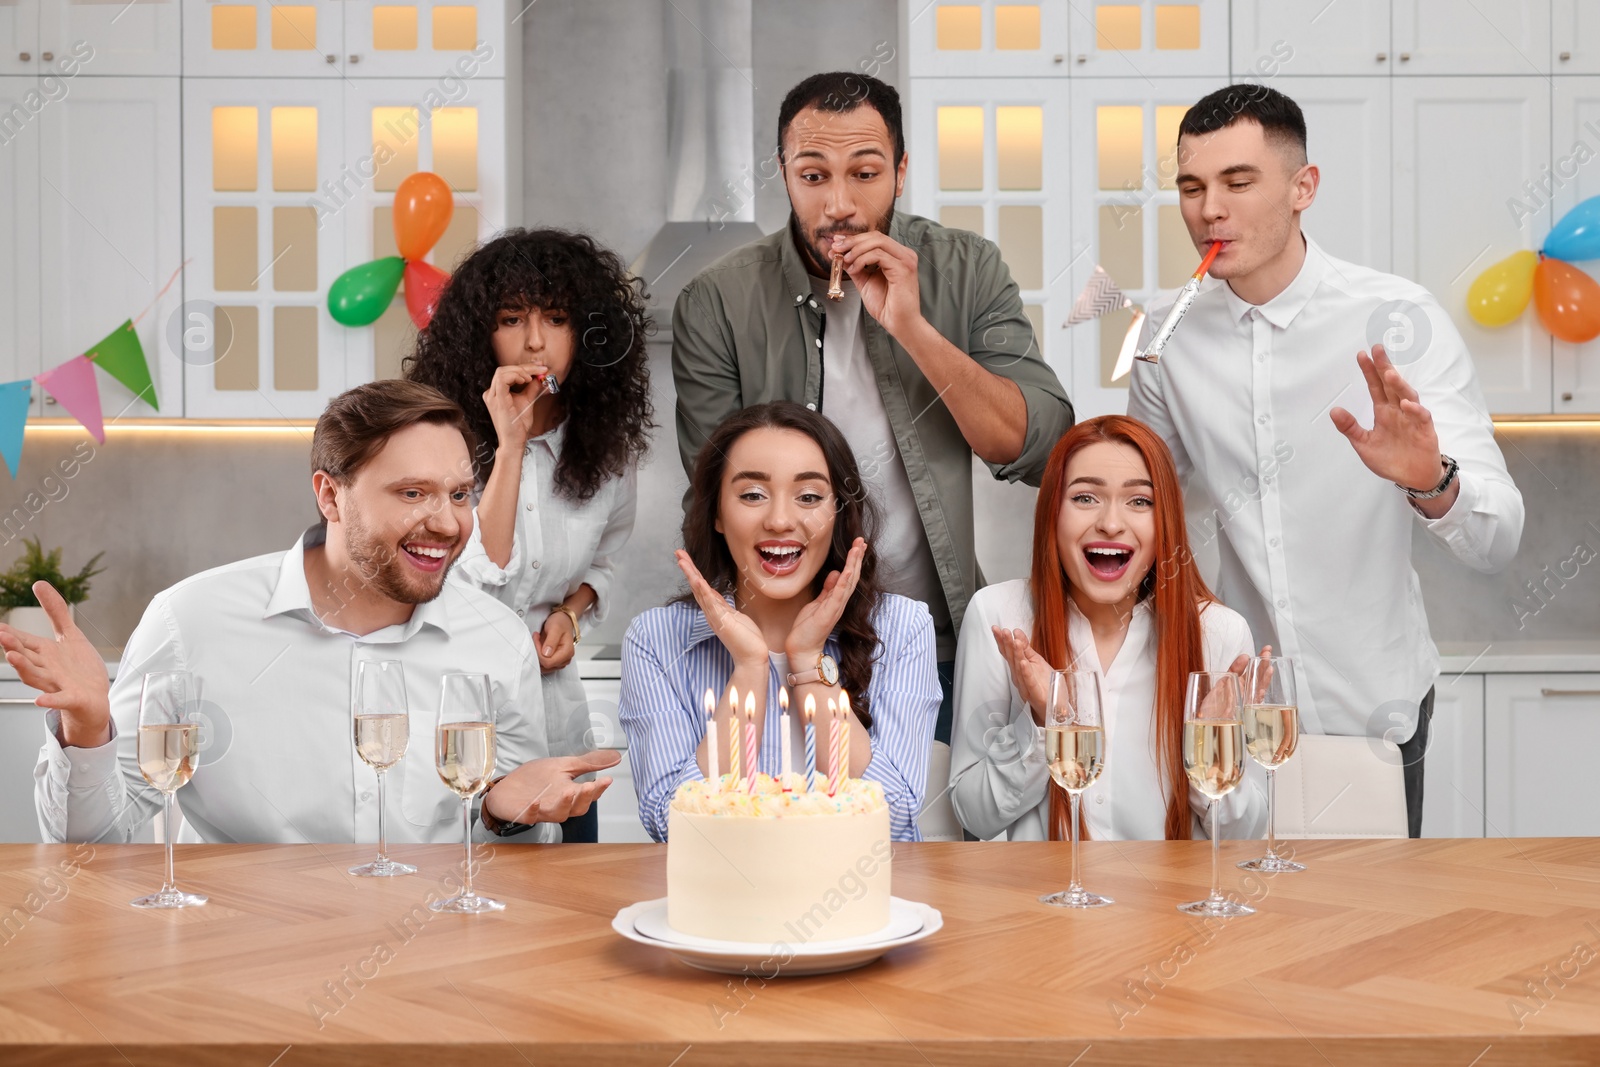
[1100, 297]
[122, 356]
[14, 399]
[73, 384]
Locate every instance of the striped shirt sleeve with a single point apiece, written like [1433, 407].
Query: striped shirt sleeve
[905, 704]
[663, 728]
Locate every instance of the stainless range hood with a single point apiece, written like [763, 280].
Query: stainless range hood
[711, 145]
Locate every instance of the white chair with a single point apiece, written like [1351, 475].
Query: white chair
[937, 820]
[1342, 787]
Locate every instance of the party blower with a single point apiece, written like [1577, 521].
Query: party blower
[1190, 290]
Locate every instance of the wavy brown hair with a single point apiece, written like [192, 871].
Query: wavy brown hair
[606, 394]
[1173, 585]
[855, 515]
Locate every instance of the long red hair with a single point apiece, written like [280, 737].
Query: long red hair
[1173, 581]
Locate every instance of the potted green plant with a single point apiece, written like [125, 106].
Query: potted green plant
[35, 564]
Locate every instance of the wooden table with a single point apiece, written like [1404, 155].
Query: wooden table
[1390, 951]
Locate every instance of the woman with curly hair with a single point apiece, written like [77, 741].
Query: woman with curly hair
[540, 337]
[783, 591]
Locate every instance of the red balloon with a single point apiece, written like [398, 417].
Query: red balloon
[424, 286]
[1568, 301]
[422, 208]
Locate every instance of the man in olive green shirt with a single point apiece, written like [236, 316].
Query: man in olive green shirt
[926, 360]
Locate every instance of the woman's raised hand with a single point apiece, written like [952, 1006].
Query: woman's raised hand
[737, 631]
[510, 398]
[818, 618]
[1030, 672]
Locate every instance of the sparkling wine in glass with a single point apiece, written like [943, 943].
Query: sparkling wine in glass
[1075, 752]
[168, 750]
[1271, 733]
[464, 756]
[1213, 757]
[382, 730]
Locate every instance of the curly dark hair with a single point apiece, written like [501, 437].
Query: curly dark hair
[856, 516]
[607, 392]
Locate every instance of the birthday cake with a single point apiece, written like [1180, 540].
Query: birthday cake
[776, 865]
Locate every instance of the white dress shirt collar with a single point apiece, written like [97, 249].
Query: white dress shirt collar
[291, 595]
[1282, 309]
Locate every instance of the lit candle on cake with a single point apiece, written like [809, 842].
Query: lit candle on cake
[809, 716]
[733, 738]
[786, 765]
[834, 774]
[712, 758]
[750, 755]
[845, 718]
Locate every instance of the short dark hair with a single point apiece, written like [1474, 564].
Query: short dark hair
[840, 91]
[1280, 118]
[357, 423]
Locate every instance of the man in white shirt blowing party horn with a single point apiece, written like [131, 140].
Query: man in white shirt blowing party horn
[1319, 459]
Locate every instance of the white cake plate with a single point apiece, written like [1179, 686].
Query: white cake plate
[646, 923]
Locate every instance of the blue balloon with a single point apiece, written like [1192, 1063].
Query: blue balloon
[1577, 236]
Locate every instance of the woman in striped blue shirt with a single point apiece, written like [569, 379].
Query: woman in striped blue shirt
[783, 590]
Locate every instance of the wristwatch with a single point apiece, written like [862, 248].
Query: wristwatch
[826, 671]
[1450, 465]
[496, 826]
[577, 634]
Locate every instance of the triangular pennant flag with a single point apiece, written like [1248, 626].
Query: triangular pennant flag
[74, 386]
[14, 397]
[122, 356]
[1100, 297]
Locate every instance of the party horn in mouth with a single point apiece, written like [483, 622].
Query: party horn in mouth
[1190, 290]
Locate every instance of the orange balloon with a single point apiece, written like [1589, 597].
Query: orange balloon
[422, 208]
[1568, 301]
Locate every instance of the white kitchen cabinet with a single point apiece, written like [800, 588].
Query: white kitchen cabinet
[1445, 229]
[257, 338]
[985, 39]
[997, 165]
[139, 38]
[1149, 39]
[19, 229]
[1538, 759]
[21, 737]
[1452, 769]
[1348, 123]
[1575, 37]
[264, 40]
[1476, 38]
[619, 804]
[425, 39]
[110, 214]
[1575, 108]
[113, 39]
[1310, 37]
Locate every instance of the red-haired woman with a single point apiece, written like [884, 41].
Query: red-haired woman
[1113, 589]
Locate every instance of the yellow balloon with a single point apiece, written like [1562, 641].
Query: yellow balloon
[1499, 294]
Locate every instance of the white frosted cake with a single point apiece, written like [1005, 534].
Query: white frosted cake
[777, 866]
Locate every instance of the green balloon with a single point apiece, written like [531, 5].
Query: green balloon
[361, 294]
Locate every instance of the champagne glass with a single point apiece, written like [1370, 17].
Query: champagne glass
[169, 749]
[464, 756]
[382, 731]
[1075, 749]
[1213, 757]
[1271, 732]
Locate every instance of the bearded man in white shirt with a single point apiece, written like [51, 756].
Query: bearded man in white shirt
[1320, 461]
[275, 643]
